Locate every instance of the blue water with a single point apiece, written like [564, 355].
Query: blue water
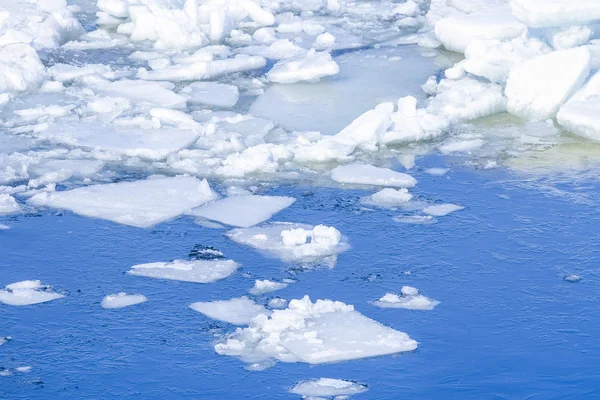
[508, 327]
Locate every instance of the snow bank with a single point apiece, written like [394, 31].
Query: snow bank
[26, 293]
[310, 68]
[314, 333]
[238, 311]
[122, 299]
[266, 286]
[294, 242]
[364, 174]
[327, 388]
[139, 203]
[542, 13]
[580, 115]
[197, 271]
[243, 211]
[409, 299]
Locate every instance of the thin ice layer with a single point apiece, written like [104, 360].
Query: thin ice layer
[364, 174]
[314, 333]
[140, 203]
[239, 311]
[197, 271]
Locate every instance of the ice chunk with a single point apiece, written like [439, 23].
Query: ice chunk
[277, 303]
[26, 293]
[122, 299]
[572, 278]
[211, 93]
[364, 174]
[294, 242]
[538, 87]
[20, 68]
[457, 32]
[139, 90]
[541, 13]
[140, 203]
[410, 299]
[388, 198]
[328, 388]
[197, 271]
[266, 286]
[24, 369]
[580, 114]
[8, 204]
[439, 210]
[310, 68]
[243, 211]
[238, 311]
[437, 171]
[461, 146]
[314, 333]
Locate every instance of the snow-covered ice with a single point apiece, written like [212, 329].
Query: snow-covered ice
[122, 299]
[243, 211]
[314, 333]
[328, 388]
[239, 311]
[410, 299]
[26, 293]
[140, 203]
[266, 286]
[439, 210]
[364, 174]
[197, 271]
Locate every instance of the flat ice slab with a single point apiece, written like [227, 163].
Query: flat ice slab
[291, 242]
[141, 91]
[122, 299]
[243, 211]
[238, 311]
[364, 174]
[328, 388]
[197, 271]
[409, 299]
[439, 210]
[140, 203]
[314, 333]
[26, 293]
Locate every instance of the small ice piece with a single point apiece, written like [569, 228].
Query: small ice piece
[6, 339]
[572, 278]
[328, 388]
[24, 370]
[543, 13]
[26, 293]
[538, 87]
[211, 94]
[8, 204]
[5, 372]
[197, 271]
[415, 219]
[266, 286]
[580, 114]
[277, 303]
[140, 203]
[462, 146]
[310, 68]
[122, 299]
[439, 210]
[239, 311]
[140, 91]
[437, 171]
[294, 242]
[243, 211]
[388, 198]
[314, 333]
[364, 174]
[410, 299]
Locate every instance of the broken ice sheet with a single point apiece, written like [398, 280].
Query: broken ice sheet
[197, 271]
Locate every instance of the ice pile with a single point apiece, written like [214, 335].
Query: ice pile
[409, 299]
[314, 333]
[238, 311]
[326, 388]
[26, 293]
[122, 299]
[197, 271]
[298, 243]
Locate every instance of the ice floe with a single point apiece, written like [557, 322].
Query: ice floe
[197, 271]
[266, 286]
[122, 299]
[26, 293]
[580, 114]
[439, 210]
[388, 198]
[410, 299]
[140, 203]
[327, 388]
[239, 311]
[363, 174]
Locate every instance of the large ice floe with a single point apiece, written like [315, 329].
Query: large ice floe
[196, 271]
[296, 243]
[327, 388]
[26, 293]
[313, 333]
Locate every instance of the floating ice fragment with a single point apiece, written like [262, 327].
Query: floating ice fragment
[310, 68]
[140, 203]
[8, 204]
[541, 13]
[25, 293]
[328, 388]
[437, 171]
[122, 299]
[410, 299]
[364, 174]
[439, 210]
[415, 219]
[243, 211]
[388, 198]
[462, 146]
[572, 278]
[277, 303]
[211, 93]
[24, 370]
[314, 333]
[197, 271]
[266, 286]
[239, 311]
